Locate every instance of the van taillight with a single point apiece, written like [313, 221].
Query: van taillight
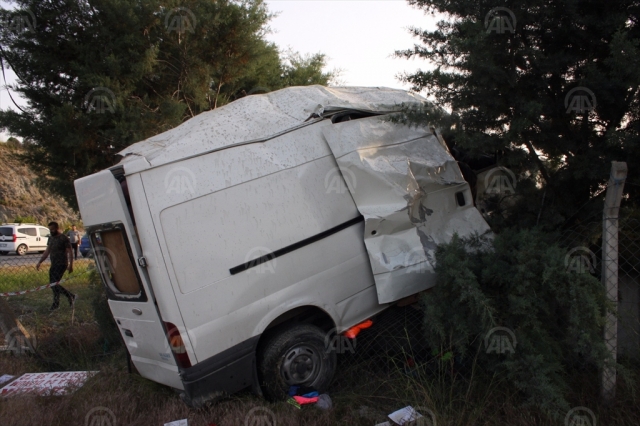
[15, 238]
[177, 345]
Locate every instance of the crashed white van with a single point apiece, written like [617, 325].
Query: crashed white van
[232, 245]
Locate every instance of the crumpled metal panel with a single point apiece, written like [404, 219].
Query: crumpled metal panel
[404, 182]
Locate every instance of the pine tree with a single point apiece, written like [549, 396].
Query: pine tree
[99, 75]
[552, 87]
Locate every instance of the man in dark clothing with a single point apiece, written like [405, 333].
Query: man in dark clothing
[59, 248]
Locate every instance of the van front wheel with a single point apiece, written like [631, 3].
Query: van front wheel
[295, 356]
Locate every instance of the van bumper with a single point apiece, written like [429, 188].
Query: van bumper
[225, 373]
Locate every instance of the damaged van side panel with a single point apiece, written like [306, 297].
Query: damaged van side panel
[412, 195]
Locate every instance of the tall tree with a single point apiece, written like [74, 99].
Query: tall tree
[553, 86]
[99, 75]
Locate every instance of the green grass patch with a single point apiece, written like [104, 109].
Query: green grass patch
[26, 277]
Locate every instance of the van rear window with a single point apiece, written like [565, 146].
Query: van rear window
[113, 260]
[7, 232]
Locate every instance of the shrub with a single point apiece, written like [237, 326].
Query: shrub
[25, 219]
[517, 281]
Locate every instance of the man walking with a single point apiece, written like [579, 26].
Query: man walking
[74, 237]
[59, 248]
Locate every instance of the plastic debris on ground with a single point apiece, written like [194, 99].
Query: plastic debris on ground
[5, 378]
[299, 396]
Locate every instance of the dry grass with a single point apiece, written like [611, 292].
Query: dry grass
[363, 398]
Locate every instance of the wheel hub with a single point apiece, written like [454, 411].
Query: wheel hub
[301, 364]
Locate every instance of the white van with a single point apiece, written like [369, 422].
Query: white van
[23, 238]
[234, 246]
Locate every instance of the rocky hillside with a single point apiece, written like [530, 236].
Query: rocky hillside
[21, 197]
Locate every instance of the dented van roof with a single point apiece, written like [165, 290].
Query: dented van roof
[257, 117]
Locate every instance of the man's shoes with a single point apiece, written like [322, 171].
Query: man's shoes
[72, 301]
[53, 307]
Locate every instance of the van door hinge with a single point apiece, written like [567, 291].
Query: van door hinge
[142, 262]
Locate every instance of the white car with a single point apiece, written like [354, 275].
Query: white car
[23, 238]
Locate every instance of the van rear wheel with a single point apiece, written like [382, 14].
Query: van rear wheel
[22, 250]
[295, 356]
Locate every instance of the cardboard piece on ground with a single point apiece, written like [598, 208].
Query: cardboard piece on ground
[183, 422]
[5, 378]
[61, 383]
[405, 415]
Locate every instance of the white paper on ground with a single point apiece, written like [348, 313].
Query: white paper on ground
[404, 415]
[183, 422]
[58, 383]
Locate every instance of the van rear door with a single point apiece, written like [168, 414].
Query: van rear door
[118, 257]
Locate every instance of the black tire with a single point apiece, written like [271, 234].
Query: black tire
[295, 355]
[4, 253]
[22, 250]
[84, 255]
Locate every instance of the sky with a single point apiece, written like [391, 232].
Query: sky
[359, 38]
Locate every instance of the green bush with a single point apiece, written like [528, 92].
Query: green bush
[25, 219]
[103, 315]
[518, 281]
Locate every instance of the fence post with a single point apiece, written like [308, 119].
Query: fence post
[615, 187]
